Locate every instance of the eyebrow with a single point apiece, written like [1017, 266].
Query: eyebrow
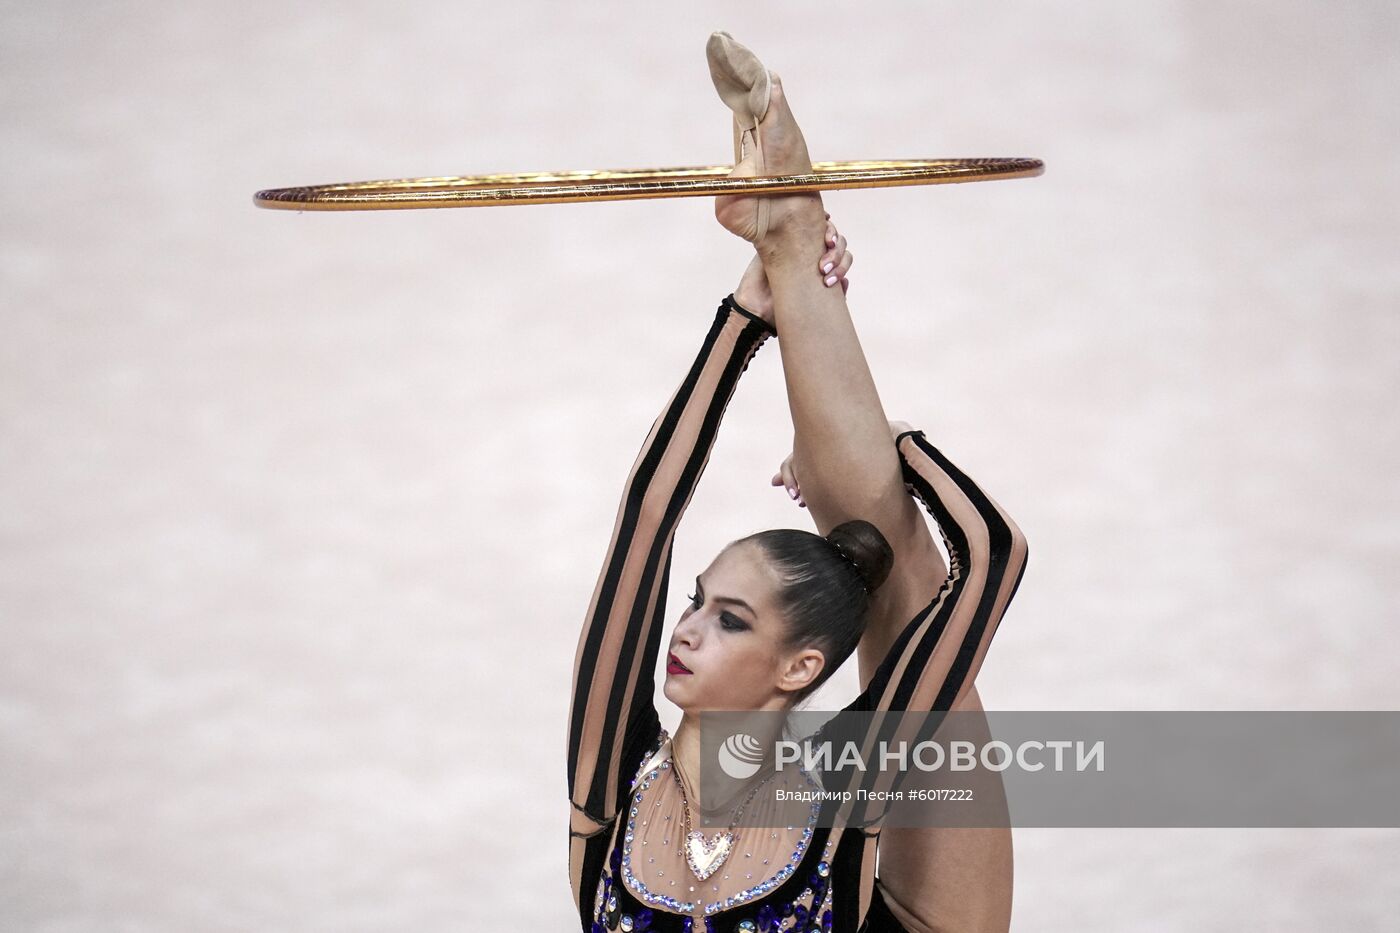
[728, 599]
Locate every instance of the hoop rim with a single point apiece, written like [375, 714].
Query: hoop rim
[562, 187]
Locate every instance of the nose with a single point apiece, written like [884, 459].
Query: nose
[687, 631]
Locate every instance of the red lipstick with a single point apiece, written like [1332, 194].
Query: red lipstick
[674, 666]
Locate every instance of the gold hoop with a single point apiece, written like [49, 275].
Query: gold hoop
[631, 184]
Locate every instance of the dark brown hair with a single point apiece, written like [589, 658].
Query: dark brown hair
[827, 583]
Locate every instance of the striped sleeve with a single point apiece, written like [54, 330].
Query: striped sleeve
[612, 717]
[933, 662]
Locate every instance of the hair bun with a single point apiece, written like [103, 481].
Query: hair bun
[862, 544]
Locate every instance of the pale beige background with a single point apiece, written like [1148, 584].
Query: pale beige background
[299, 513]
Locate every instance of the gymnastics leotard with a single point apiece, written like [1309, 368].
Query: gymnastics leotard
[625, 861]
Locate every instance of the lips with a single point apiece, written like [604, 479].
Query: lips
[674, 666]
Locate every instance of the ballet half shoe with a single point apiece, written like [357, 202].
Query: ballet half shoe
[745, 86]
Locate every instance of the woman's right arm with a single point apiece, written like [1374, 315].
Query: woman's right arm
[612, 715]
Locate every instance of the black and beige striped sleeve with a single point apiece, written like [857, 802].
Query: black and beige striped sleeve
[934, 660]
[612, 718]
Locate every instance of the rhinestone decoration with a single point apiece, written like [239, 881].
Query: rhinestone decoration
[792, 916]
[705, 856]
[632, 881]
[762, 888]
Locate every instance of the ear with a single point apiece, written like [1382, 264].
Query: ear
[801, 669]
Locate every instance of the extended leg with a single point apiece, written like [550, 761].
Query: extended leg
[946, 878]
[941, 878]
[842, 448]
[849, 467]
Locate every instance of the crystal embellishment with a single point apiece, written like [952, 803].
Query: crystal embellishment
[705, 856]
[643, 782]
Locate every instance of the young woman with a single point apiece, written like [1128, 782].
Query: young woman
[776, 613]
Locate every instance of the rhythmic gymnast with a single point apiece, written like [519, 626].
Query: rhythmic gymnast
[777, 612]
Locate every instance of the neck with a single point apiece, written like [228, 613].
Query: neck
[726, 792]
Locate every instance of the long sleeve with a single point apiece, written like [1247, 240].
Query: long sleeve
[613, 718]
[936, 657]
[933, 662]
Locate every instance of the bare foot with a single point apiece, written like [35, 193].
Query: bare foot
[785, 152]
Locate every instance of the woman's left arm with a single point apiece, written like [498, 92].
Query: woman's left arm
[931, 665]
[934, 660]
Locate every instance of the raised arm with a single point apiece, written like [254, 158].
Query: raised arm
[612, 717]
[932, 663]
[935, 658]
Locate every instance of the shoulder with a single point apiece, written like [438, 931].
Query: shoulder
[656, 753]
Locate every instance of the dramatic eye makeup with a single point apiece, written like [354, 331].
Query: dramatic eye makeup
[729, 620]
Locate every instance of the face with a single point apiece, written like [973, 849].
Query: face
[730, 639]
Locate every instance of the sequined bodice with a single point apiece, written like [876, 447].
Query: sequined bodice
[648, 886]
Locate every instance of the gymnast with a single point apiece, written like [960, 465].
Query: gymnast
[774, 615]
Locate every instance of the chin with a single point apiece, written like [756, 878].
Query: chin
[681, 697]
[671, 694]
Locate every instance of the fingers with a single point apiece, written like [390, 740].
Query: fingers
[787, 478]
[836, 270]
[830, 262]
[844, 265]
[790, 478]
[835, 243]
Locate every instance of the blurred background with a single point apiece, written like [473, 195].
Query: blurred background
[300, 513]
